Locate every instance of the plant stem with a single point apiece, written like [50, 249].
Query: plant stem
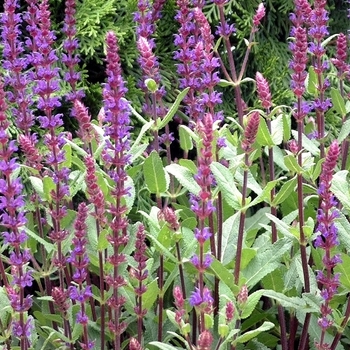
[241, 221]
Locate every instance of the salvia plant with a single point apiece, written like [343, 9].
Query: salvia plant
[202, 230]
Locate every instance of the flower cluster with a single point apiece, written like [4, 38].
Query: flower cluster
[116, 158]
[250, 132]
[327, 237]
[15, 63]
[198, 66]
[79, 260]
[263, 89]
[70, 45]
[13, 220]
[340, 60]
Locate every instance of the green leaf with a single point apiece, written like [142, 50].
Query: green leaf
[226, 183]
[184, 176]
[338, 102]
[277, 130]
[311, 81]
[173, 109]
[102, 242]
[189, 164]
[340, 188]
[344, 131]
[286, 127]
[49, 247]
[284, 300]
[263, 136]
[252, 334]
[266, 262]
[38, 186]
[274, 280]
[251, 303]
[185, 139]
[140, 135]
[343, 227]
[154, 174]
[286, 189]
[224, 275]
[344, 271]
[151, 295]
[67, 156]
[281, 226]
[164, 346]
[229, 238]
[247, 255]
[292, 164]
[48, 186]
[310, 145]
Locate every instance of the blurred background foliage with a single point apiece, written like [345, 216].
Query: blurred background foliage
[270, 55]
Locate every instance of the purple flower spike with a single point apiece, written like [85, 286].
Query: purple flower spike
[327, 237]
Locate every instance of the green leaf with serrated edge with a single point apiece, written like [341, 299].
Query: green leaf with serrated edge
[251, 303]
[48, 246]
[340, 188]
[284, 300]
[186, 143]
[344, 131]
[277, 130]
[163, 346]
[154, 174]
[151, 295]
[184, 176]
[229, 238]
[172, 110]
[67, 156]
[287, 127]
[263, 136]
[226, 183]
[328, 40]
[311, 81]
[286, 189]
[38, 186]
[4, 305]
[266, 262]
[224, 275]
[338, 102]
[189, 164]
[344, 271]
[252, 334]
[292, 164]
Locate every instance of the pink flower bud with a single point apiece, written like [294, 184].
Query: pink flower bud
[259, 15]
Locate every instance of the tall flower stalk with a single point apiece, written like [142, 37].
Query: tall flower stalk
[202, 206]
[116, 158]
[81, 293]
[327, 239]
[13, 220]
[299, 49]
